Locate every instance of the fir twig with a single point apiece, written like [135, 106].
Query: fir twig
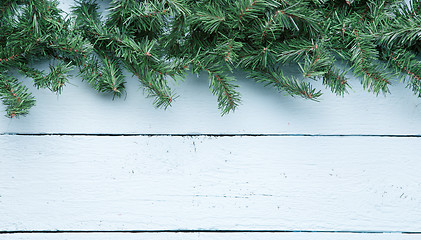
[157, 40]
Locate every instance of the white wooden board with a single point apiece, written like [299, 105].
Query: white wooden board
[80, 109]
[243, 183]
[210, 236]
[108, 183]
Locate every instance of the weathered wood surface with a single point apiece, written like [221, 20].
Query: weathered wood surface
[214, 183]
[210, 236]
[80, 109]
[244, 183]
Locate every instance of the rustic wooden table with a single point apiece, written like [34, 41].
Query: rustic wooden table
[82, 166]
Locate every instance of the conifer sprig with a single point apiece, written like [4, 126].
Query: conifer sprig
[290, 85]
[15, 96]
[159, 40]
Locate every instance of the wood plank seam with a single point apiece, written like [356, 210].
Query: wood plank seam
[209, 135]
[207, 231]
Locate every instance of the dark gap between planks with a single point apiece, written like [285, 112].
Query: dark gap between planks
[210, 135]
[205, 231]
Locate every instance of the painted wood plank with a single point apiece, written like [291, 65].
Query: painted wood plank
[269, 183]
[80, 109]
[211, 236]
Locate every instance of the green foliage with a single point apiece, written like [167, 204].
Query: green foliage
[159, 40]
[290, 85]
[15, 96]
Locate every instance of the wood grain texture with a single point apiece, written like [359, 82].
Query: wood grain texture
[80, 109]
[150, 183]
[210, 236]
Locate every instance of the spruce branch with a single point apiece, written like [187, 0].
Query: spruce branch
[208, 21]
[294, 50]
[155, 84]
[415, 6]
[336, 81]
[291, 85]
[301, 18]
[406, 62]
[156, 40]
[112, 79]
[257, 58]
[249, 10]
[15, 96]
[364, 54]
[90, 72]
[404, 36]
[318, 63]
[220, 84]
[224, 88]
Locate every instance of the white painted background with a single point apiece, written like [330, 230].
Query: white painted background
[354, 184]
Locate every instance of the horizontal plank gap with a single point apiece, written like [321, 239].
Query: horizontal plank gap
[209, 135]
[203, 231]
